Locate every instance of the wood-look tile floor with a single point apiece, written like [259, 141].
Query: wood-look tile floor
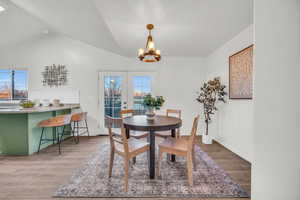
[39, 175]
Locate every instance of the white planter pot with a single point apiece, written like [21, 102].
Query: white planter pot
[150, 114]
[206, 139]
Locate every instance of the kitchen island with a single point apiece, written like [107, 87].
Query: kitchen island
[19, 133]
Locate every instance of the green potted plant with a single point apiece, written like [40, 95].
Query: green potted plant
[27, 104]
[210, 93]
[152, 103]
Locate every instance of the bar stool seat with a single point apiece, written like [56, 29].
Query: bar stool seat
[75, 120]
[54, 122]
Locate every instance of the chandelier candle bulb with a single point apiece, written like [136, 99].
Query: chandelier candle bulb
[141, 51]
[151, 45]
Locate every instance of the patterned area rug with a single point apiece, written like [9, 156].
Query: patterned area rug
[92, 179]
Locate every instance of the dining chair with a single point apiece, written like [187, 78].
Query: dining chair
[56, 123]
[170, 113]
[134, 134]
[76, 119]
[127, 148]
[181, 147]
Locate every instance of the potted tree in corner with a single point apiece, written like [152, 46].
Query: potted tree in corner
[152, 103]
[210, 93]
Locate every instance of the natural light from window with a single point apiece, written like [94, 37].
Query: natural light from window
[13, 84]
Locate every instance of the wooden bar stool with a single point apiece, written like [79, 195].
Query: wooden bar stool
[75, 120]
[54, 122]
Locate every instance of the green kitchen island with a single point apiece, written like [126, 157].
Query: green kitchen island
[19, 133]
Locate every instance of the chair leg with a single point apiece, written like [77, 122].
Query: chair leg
[126, 168]
[194, 159]
[41, 140]
[87, 128]
[160, 154]
[111, 161]
[190, 169]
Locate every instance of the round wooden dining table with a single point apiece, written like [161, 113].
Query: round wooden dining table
[160, 123]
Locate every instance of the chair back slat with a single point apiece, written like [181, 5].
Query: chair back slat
[57, 121]
[126, 113]
[77, 117]
[193, 132]
[174, 112]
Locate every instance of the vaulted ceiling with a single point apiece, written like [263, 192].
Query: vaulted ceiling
[182, 28]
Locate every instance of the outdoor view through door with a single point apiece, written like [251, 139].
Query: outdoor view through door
[124, 90]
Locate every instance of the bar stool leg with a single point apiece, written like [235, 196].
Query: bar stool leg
[77, 124]
[87, 128]
[53, 136]
[61, 138]
[41, 140]
[73, 132]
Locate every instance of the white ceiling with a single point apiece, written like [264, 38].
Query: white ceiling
[182, 27]
[16, 25]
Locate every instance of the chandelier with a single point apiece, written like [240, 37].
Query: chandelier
[150, 54]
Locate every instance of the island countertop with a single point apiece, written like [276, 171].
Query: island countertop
[38, 109]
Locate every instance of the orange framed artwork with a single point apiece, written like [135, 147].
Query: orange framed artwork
[241, 74]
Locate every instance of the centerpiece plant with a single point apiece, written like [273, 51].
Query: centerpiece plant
[210, 93]
[152, 103]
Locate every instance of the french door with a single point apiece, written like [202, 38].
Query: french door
[123, 90]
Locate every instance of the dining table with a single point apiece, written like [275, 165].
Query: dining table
[160, 123]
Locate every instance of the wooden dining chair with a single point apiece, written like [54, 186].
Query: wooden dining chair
[181, 147]
[134, 134]
[170, 113]
[127, 148]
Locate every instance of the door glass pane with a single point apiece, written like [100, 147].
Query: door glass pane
[5, 84]
[112, 96]
[141, 87]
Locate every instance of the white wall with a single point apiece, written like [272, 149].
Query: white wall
[276, 166]
[178, 78]
[232, 125]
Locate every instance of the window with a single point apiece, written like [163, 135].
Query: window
[141, 87]
[13, 84]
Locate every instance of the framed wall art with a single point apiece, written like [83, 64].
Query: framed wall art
[241, 74]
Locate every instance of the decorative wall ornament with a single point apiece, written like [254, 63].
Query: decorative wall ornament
[240, 74]
[55, 75]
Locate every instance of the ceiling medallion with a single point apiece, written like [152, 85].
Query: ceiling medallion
[150, 54]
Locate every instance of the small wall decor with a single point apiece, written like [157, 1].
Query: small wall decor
[55, 75]
[240, 74]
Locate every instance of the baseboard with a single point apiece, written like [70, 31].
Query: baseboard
[231, 150]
